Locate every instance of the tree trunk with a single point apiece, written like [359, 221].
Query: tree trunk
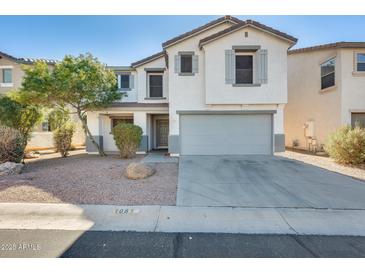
[88, 133]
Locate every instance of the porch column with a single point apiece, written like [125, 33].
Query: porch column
[140, 119]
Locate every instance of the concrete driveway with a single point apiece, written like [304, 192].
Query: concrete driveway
[264, 181]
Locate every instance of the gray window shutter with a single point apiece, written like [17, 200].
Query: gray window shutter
[177, 64]
[131, 81]
[261, 66]
[195, 63]
[118, 80]
[230, 66]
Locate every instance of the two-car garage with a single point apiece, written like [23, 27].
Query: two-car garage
[226, 132]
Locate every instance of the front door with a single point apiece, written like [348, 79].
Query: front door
[162, 133]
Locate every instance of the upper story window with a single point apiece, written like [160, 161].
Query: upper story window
[6, 77]
[328, 74]
[186, 63]
[125, 81]
[244, 68]
[155, 84]
[360, 62]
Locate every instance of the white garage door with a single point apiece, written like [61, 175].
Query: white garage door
[226, 134]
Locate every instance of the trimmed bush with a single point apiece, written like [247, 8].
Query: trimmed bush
[11, 145]
[127, 138]
[62, 138]
[347, 145]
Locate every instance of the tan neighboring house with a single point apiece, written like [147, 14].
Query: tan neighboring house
[11, 75]
[326, 89]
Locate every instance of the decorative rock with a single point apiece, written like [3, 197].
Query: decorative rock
[137, 171]
[9, 168]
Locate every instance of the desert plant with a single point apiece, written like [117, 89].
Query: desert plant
[58, 117]
[21, 116]
[82, 82]
[127, 138]
[62, 138]
[347, 145]
[11, 145]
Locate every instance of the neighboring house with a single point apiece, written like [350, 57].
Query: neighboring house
[326, 89]
[11, 75]
[218, 89]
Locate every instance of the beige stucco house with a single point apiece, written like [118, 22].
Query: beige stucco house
[11, 75]
[219, 89]
[326, 89]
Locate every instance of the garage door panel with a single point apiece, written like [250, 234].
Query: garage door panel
[226, 134]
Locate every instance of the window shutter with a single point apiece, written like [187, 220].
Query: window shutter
[261, 66]
[177, 64]
[230, 66]
[131, 81]
[195, 63]
[119, 81]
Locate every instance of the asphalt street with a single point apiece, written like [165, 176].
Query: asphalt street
[66, 243]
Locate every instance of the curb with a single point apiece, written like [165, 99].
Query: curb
[297, 221]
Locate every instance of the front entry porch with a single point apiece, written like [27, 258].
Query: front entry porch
[158, 131]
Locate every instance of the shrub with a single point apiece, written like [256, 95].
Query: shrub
[62, 138]
[127, 138]
[347, 145]
[58, 117]
[22, 117]
[11, 145]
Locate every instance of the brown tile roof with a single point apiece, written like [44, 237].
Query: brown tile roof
[337, 45]
[244, 24]
[27, 60]
[198, 29]
[148, 59]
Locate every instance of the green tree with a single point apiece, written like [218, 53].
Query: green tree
[80, 82]
[20, 116]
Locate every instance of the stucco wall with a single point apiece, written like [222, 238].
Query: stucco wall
[190, 92]
[352, 86]
[142, 81]
[306, 101]
[218, 92]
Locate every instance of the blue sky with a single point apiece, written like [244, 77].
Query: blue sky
[120, 40]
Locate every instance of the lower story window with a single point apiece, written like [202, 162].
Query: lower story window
[116, 121]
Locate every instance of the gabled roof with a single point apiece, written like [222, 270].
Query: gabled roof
[197, 30]
[337, 45]
[244, 24]
[148, 59]
[27, 60]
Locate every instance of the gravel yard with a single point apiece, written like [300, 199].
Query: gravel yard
[324, 162]
[88, 179]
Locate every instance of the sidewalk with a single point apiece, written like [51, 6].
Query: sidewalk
[182, 219]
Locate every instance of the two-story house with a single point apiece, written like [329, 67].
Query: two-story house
[326, 89]
[11, 76]
[219, 89]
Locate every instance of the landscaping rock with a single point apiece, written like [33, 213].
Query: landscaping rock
[137, 171]
[9, 168]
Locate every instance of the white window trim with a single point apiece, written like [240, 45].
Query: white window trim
[253, 54]
[148, 85]
[356, 62]
[119, 78]
[321, 76]
[7, 85]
